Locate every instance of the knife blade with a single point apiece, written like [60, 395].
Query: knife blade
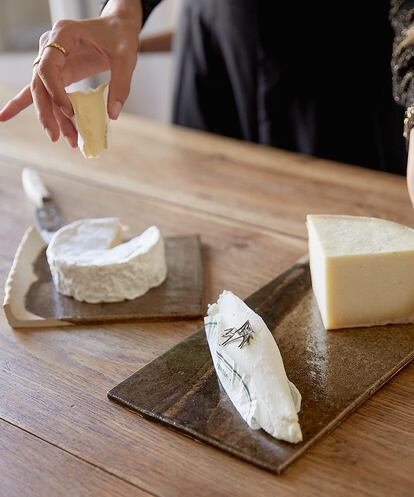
[47, 215]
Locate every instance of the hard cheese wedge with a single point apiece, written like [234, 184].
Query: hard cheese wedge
[250, 368]
[91, 119]
[362, 270]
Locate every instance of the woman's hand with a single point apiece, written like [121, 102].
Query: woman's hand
[92, 46]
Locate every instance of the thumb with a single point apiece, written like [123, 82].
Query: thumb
[122, 68]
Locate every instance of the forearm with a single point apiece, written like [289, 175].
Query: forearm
[129, 7]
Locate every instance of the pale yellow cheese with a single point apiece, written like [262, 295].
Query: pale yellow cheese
[91, 119]
[362, 270]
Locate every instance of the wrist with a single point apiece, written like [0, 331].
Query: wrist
[130, 10]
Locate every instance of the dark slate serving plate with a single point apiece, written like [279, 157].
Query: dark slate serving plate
[36, 301]
[335, 371]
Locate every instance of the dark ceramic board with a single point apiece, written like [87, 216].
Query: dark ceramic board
[335, 371]
[179, 297]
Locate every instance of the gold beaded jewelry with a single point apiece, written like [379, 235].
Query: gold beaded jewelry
[57, 46]
[50, 45]
[406, 40]
[408, 122]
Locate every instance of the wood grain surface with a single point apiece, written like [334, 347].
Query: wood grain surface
[265, 187]
[55, 472]
[53, 382]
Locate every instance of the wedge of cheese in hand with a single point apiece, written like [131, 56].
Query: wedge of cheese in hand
[250, 368]
[89, 263]
[91, 119]
[362, 270]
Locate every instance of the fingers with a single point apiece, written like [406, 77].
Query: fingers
[50, 72]
[67, 129]
[122, 66]
[50, 116]
[52, 63]
[16, 104]
[44, 107]
[51, 121]
[24, 98]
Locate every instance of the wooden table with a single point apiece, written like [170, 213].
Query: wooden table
[59, 435]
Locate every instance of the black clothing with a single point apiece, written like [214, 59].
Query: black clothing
[147, 7]
[312, 77]
[283, 74]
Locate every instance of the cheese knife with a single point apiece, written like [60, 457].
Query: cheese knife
[47, 215]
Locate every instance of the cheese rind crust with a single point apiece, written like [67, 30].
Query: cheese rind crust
[362, 270]
[252, 374]
[88, 262]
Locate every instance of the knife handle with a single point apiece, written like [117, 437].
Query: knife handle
[34, 187]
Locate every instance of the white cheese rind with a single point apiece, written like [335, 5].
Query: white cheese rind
[88, 262]
[91, 120]
[362, 270]
[253, 376]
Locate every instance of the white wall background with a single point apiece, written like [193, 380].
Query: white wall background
[151, 89]
[21, 24]
[152, 84]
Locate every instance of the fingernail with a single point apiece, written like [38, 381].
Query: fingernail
[116, 109]
[66, 111]
[49, 134]
[70, 142]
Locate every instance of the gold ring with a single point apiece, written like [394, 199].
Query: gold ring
[56, 45]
